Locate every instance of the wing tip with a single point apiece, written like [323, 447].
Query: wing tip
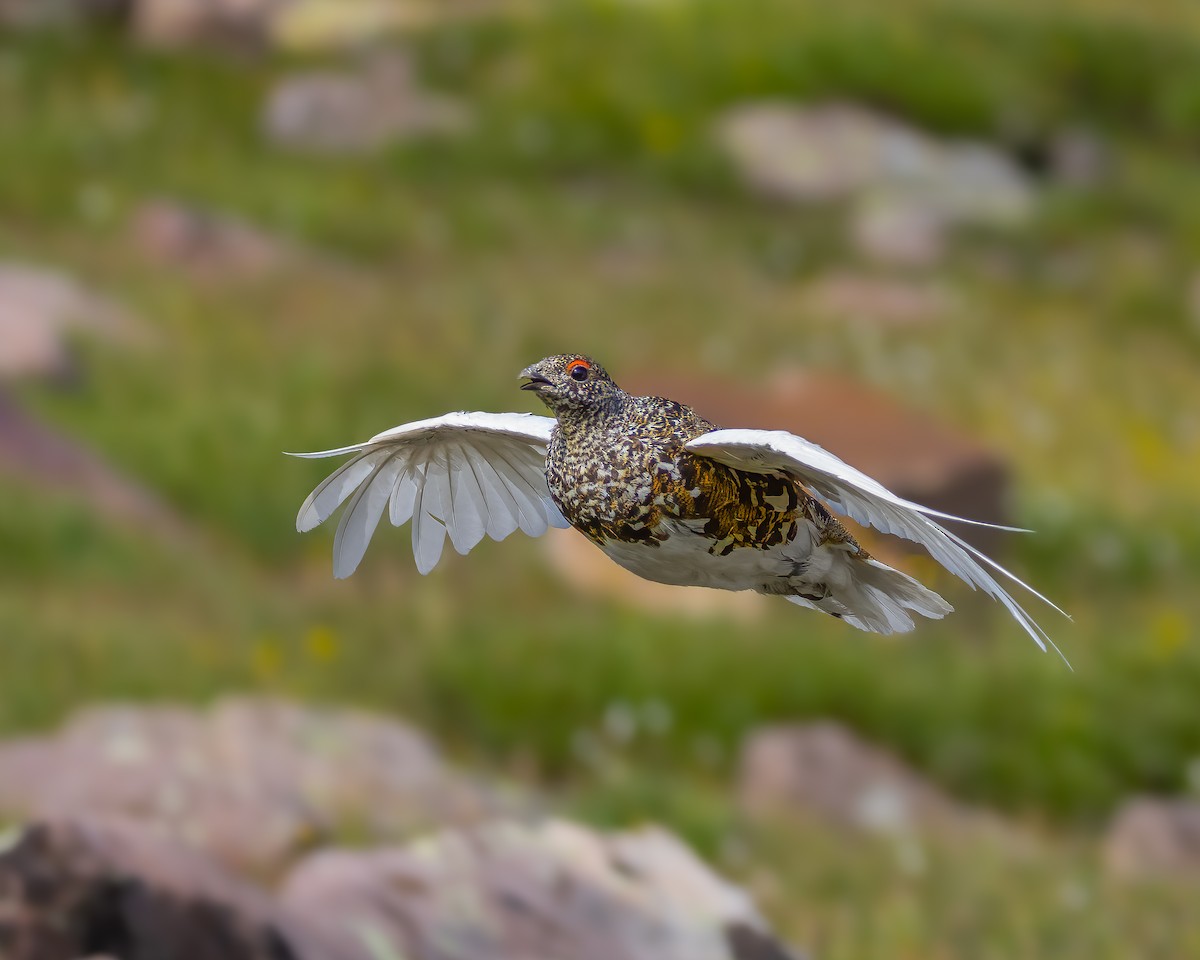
[307, 519]
[1037, 631]
[321, 454]
[344, 564]
[954, 518]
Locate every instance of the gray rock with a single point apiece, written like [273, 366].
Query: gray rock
[24, 14]
[970, 183]
[1154, 837]
[37, 454]
[81, 888]
[206, 243]
[173, 23]
[1079, 157]
[361, 110]
[510, 892]
[251, 782]
[40, 311]
[907, 188]
[897, 230]
[810, 155]
[823, 772]
[839, 151]
[502, 891]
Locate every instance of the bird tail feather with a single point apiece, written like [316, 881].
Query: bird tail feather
[879, 599]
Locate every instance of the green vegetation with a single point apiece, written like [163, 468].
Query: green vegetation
[443, 269]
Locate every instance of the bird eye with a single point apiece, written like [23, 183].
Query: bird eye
[578, 369]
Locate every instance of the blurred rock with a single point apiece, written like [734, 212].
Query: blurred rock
[825, 772]
[206, 243]
[906, 187]
[35, 453]
[501, 891]
[40, 310]
[1078, 157]
[838, 151]
[355, 111]
[1072, 156]
[810, 155]
[80, 889]
[877, 300]
[304, 25]
[511, 892]
[173, 23]
[56, 13]
[1154, 837]
[897, 230]
[251, 782]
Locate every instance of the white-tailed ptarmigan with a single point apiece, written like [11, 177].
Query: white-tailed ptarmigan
[660, 490]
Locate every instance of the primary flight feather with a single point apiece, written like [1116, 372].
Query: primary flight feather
[662, 491]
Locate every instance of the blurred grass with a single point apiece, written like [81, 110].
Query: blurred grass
[1016, 71]
[587, 211]
[943, 901]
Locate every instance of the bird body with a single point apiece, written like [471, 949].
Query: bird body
[662, 491]
[620, 472]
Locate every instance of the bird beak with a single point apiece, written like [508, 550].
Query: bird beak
[537, 382]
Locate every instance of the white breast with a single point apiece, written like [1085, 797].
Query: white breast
[683, 559]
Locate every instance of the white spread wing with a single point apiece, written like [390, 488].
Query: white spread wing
[466, 474]
[864, 499]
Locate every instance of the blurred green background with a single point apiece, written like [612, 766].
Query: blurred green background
[435, 268]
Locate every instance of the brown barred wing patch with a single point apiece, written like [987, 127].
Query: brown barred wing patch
[738, 509]
[644, 529]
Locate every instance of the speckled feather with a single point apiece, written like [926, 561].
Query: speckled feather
[617, 473]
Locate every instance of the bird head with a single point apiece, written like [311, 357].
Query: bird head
[570, 382]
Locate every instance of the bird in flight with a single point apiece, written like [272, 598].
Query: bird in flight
[662, 491]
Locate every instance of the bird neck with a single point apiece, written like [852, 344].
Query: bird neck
[581, 417]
